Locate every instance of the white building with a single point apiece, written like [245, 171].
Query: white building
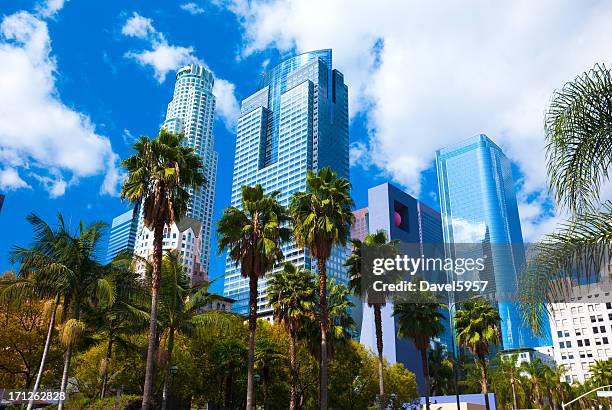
[184, 237]
[528, 355]
[192, 112]
[581, 328]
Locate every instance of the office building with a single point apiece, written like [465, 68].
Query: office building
[185, 237]
[581, 328]
[479, 211]
[297, 120]
[122, 235]
[191, 112]
[410, 221]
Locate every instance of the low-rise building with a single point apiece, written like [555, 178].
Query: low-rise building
[581, 327]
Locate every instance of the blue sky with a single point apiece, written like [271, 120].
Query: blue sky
[78, 83]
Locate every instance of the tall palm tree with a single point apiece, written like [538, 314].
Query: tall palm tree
[440, 370]
[378, 244]
[253, 235]
[420, 322]
[322, 218]
[578, 125]
[291, 293]
[181, 309]
[477, 326]
[553, 377]
[508, 368]
[160, 174]
[63, 264]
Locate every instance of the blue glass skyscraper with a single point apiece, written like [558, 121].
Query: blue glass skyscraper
[122, 235]
[478, 206]
[296, 121]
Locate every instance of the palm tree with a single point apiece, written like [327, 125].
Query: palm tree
[322, 218]
[420, 322]
[509, 371]
[253, 235]
[477, 326]
[62, 264]
[377, 244]
[578, 125]
[556, 388]
[291, 292]
[534, 372]
[118, 318]
[160, 174]
[440, 370]
[181, 309]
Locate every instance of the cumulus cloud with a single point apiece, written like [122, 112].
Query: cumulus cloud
[38, 132]
[49, 8]
[10, 180]
[164, 57]
[227, 107]
[427, 75]
[192, 8]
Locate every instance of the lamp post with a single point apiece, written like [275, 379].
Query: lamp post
[256, 379]
[393, 396]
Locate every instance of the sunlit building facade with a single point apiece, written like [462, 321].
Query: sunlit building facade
[296, 121]
[122, 237]
[479, 207]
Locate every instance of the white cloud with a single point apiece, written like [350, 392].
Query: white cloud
[164, 58]
[10, 180]
[227, 107]
[49, 8]
[427, 74]
[38, 131]
[138, 26]
[192, 8]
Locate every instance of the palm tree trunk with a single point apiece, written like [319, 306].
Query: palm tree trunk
[252, 327]
[65, 374]
[43, 359]
[67, 363]
[151, 349]
[512, 382]
[379, 346]
[425, 375]
[292, 369]
[323, 305]
[483, 380]
[167, 368]
[109, 353]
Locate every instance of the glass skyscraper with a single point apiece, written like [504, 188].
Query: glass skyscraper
[122, 235]
[297, 120]
[478, 206]
[192, 112]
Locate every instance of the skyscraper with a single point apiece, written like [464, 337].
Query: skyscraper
[192, 112]
[478, 207]
[122, 235]
[297, 120]
[410, 221]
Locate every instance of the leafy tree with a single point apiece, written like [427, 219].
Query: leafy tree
[291, 292]
[477, 326]
[161, 174]
[22, 340]
[378, 244]
[420, 322]
[322, 218]
[61, 264]
[578, 125]
[253, 235]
